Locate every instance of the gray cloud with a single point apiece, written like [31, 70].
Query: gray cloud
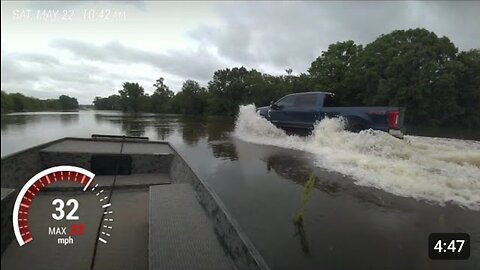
[293, 34]
[36, 58]
[198, 64]
[45, 76]
[20, 67]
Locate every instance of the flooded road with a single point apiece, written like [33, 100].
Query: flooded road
[376, 198]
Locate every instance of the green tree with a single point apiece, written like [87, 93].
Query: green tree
[7, 103]
[336, 70]
[17, 102]
[112, 102]
[468, 86]
[415, 69]
[161, 98]
[132, 95]
[192, 99]
[231, 87]
[67, 103]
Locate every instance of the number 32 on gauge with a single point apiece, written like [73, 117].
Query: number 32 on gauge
[59, 213]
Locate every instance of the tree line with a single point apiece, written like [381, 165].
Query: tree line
[412, 68]
[16, 102]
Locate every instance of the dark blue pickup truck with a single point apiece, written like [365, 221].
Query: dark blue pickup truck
[302, 110]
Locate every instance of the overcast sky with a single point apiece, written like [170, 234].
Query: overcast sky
[190, 40]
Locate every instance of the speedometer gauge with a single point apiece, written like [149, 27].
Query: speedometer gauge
[63, 209]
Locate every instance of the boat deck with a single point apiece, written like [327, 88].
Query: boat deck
[156, 222]
[180, 234]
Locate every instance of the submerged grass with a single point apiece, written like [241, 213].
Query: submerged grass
[307, 193]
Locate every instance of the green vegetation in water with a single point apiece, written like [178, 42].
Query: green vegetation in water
[16, 102]
[299, 217]
[307, 193]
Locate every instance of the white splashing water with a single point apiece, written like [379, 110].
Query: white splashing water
[437, 170]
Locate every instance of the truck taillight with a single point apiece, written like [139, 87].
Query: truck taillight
[393, 119]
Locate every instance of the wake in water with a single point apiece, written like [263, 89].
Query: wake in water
[438, 170]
